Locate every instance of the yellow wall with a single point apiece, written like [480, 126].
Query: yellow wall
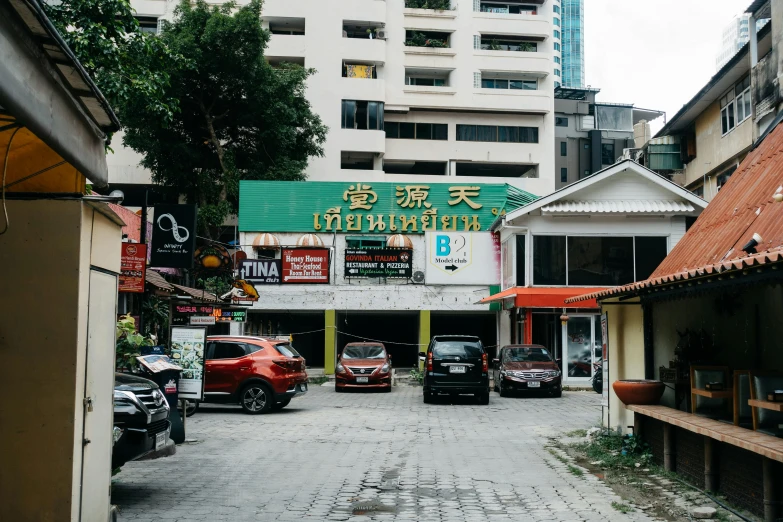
[713, 150]
[626, 357]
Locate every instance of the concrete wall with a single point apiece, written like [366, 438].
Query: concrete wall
[626, 357]
[45, 260]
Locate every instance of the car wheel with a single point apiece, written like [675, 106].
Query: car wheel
[483, 399]
[256, 398]
[191, 407]
[280, 405]
[387, 390]
[427, 398]
[338, 389]
[502, 391]
[558, 393]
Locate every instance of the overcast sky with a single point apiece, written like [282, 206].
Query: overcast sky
[656, 54]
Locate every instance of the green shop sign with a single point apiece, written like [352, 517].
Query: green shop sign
[326, 206]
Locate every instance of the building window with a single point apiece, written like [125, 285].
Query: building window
[432, 82]
[492, 133]
[557, 72]
[587, 173]
[564, 148]
[557, 59]
[362, 115]
[520, 260]
[735, 106]
[557, 47]
[723, 178]
[564, 175]
[504, 8]
[417, 131]
[525, 85]
[607, 154]
[561, 121]
[505, 43]
[557, 22]
[557, 84]
[557, 34]
[365, 242]
[556, 9]
[595, 261]
[587, 145]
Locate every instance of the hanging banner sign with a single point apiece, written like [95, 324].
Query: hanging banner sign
[306, 265]
[133, 268]
[260, 271]
[378, 262]
[187, 350]
[173, 236]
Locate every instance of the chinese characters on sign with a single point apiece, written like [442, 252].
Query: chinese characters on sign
[133, 265]
[378, 262]
[362, 197]
[306, 265]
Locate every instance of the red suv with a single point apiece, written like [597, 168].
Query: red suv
[258, 373]
[363, 365]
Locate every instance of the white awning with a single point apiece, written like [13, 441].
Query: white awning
[620, 207]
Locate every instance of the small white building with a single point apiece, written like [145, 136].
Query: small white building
[612, 228]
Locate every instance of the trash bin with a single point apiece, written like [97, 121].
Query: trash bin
[168, 381]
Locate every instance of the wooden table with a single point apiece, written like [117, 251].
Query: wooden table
[767, 405]
[714, 394]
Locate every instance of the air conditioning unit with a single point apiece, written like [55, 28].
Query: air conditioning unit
[380, 34]
[418, 277]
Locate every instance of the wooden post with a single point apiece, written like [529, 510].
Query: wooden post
[771, 485]
[668, 448]
[710, 465]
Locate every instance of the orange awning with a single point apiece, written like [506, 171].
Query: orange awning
[544, 297]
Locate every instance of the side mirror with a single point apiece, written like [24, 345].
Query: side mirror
[338, 356]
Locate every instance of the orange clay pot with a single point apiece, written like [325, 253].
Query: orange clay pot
[639, 391]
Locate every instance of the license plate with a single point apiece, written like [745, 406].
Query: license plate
[362, 380]
[303, 387]
[456, 369]
[534, 385]
[160, 440]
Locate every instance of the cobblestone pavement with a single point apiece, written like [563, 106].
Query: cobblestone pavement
[374, 456]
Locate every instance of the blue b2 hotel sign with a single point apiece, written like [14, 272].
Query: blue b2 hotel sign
[384, 208]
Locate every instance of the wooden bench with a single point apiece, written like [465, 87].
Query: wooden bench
[765, 445]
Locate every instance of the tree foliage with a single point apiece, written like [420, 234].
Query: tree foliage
[131, 68]
[239, 118]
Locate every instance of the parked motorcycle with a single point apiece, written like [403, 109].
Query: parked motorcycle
[598, 377]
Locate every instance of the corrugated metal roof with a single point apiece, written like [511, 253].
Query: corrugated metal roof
[743, 207]
[609, 206]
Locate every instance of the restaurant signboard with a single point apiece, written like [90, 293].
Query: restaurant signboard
[305, 265]
[133, 267]
[260, 271]
[173, 236]
[379, 262]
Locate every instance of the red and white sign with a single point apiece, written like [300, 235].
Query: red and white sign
[306, 265]
[133, 267]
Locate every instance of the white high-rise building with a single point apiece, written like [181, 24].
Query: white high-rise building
[735, 35]
[416, 95]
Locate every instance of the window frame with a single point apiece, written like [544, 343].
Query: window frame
[476, 131]
[391, 126]
[731, 116]
[563, 148]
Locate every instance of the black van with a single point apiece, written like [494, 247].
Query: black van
[456, 364]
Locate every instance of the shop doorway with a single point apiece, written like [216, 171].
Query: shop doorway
[548, 332]
[307, 329]
[398, 331]
[481, 324]
[582, 342]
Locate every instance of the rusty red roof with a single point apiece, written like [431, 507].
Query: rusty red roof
[743, 207]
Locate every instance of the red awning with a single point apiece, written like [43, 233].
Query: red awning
[544, 297]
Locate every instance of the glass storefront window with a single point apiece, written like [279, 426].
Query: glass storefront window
[600, 261]
[549, 260]
[578, 346]
[650, 252]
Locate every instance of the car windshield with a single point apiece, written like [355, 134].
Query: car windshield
[526, 355]
[287, 350]
[457, 349]
[364, 352]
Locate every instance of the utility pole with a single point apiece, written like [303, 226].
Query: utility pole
[143, 236]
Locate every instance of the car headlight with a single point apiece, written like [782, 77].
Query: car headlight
[340, 368]
[123, 396]
[503, 373]
[117, 434]
[385, 368]
[554, 373]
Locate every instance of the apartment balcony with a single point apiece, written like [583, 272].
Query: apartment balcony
[430, 57]
[359, 140]
[285, 46]
[536, 64]
[430, 19]
[535, 27]
[362, 89]
[363, 50]
[512, 100]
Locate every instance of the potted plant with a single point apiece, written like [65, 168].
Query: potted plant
[128, 343]
[494, 45]
[638, 391]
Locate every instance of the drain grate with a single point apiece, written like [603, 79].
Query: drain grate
[369, 509]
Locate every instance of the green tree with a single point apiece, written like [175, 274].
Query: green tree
[238, 118]
[131, 68]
